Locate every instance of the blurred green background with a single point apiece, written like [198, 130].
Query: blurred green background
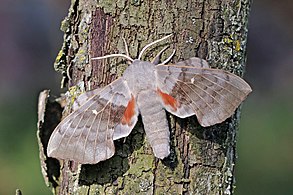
[30, 40]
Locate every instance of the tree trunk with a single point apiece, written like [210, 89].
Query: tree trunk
[202, 159]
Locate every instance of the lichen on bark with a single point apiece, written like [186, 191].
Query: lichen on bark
[202, 159]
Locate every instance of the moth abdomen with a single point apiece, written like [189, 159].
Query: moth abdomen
[155, 122]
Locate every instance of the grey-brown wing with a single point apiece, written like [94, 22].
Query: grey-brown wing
[211, 94]
[193, 62]
[86, 135]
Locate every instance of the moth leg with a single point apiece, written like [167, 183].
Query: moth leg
[152, 43]
[68, 71]
[169, 58]
[156, 59]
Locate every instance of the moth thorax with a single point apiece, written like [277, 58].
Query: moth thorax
[140, 75]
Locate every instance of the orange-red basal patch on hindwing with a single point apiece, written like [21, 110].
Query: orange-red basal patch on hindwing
[129, 112]
[168, 100]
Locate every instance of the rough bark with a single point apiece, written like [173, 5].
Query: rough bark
[202, 159]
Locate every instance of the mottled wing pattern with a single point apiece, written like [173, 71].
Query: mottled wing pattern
[128, 121]
[211, 94]
[84, 97]
[194, 62]
[86, 135]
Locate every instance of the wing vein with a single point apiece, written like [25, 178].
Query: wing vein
[227, 100]
[191, 105]
[197, 95]
[97, 132]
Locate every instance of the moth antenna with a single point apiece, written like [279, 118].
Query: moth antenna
[169, 58]
[113, 55]
[152, 43]
[157, 58]
[126, 48]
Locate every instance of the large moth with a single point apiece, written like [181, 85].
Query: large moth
[184, 89]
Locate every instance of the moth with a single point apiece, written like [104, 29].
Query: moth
[106, 114]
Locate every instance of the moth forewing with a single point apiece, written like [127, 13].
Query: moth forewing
[86, 135]
[83, 98]
[193, 62]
